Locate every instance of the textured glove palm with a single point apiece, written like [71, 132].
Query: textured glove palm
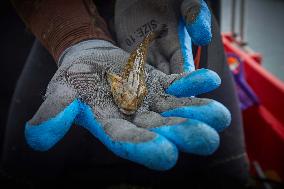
[79, 93]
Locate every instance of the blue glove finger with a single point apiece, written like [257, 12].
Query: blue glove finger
[129, 142]
[194, 83]
[197, 18]
[191, 136]
[53, 119]
[195, 26]
[186, 47]
[208, 111]
[45, 135]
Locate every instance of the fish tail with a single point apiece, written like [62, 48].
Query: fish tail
[159, 33]
[143, 48]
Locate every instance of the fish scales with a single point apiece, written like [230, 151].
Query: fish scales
[129, 89]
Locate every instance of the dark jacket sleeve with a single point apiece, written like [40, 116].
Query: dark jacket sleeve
[59, 24]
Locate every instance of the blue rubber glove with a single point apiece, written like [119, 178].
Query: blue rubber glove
[189, 21]
[164, 124]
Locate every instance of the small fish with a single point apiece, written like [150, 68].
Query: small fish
[129, 89]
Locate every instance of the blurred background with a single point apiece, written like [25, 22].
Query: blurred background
[263, 30]
[16, 42]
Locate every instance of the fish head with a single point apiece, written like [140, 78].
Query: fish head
[125, 96]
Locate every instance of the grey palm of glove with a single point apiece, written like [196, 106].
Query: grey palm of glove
[79, 93]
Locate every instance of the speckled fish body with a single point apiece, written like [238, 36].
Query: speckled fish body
[129, 89]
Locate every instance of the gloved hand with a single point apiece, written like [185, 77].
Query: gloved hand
[187, 20]
[79, 93]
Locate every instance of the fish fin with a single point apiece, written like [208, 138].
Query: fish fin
[113, 78]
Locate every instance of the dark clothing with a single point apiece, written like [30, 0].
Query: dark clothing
[80, 157]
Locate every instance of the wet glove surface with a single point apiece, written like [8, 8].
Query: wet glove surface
[169, 120]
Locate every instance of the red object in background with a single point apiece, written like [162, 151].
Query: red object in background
[263, 123]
